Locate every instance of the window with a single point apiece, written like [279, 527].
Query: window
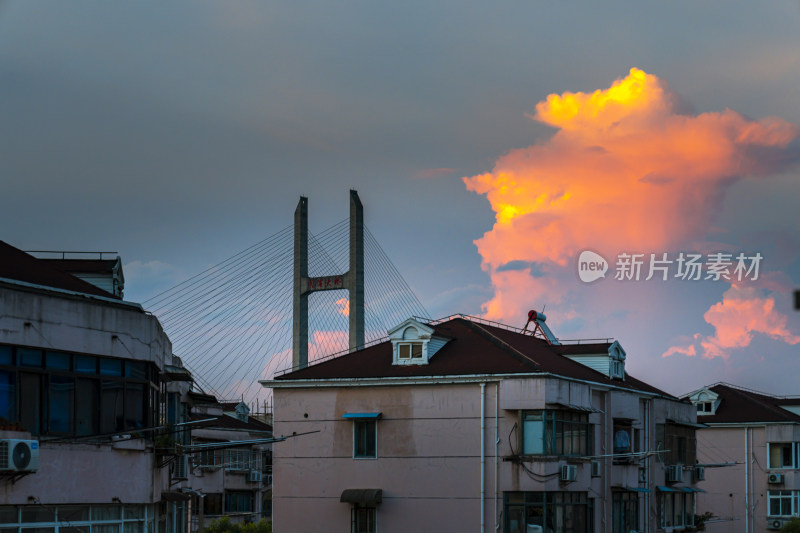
[555, 433]
[705, 408]
[59, 393]
[783, 502]
[409, 350]
[625, 511]
[238, 501]
[676, 443]
[783, 454]
[556, 512]
[363, 519]
[212, 504]
[623, 441]
[676, 509]
[365, 438]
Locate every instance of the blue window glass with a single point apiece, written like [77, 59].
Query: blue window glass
[110, 367]
[86, 364]
[62, 403]
[58, 360]
[136, 369]
[30, 357]
[6, 355]
[7, 395]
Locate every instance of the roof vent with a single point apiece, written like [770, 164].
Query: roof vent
[540, 329]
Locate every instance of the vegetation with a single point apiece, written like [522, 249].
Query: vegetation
[792, 526]
[224, 525]
[700, 521]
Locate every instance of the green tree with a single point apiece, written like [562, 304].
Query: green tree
[792, 526]
[224, 525]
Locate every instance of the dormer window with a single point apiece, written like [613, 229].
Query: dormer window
[706, 401]
[414, 343]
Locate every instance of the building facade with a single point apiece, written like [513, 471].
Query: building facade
[461, 424]
[750, 455]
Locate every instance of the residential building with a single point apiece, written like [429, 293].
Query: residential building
[82, 381]
[230, 463]
[749, 452]
[463, 424]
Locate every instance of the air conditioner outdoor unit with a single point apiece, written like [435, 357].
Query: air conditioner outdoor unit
[595, 468]
[255, 476]
[775, 523]
[17, 455]
[180, 469]
[775, 478]
[569, 473]
[675, 473]
[699, 473]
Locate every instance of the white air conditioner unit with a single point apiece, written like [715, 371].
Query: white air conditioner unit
[699, 473]
[775, 523]
[180, 469]
[569, 473]
[255, 476]
[18, 455]
[595, 468]
[775, 478]
[675, 473]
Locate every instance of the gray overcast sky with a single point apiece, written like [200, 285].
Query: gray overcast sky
[179, 133]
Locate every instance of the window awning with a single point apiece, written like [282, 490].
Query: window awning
[665, 489]
[362, 496]
[361, 415]
[573, 407]
[175, 496]
[638, 489]
[176, 373]
[685, 423]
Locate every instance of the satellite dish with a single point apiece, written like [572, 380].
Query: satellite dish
[21, 456]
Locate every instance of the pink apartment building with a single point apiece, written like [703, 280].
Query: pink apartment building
[750, 449]
[465, 425]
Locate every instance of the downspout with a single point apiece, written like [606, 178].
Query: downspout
[496, 450]
[483, 455]
[746, 499]
[647, 466]
[605, 458]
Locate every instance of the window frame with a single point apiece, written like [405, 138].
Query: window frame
[362, 424]
[667, 501]
[562, 432]
[794, 453]
[782, 496]
[371, 517]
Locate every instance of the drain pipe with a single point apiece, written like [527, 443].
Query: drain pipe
[496, 450]
[483, 456]
[746, 499]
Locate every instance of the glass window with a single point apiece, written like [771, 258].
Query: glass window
[59, 361]
[780, 502]
[30, 392]
[134, 406]
[29, 357]
[70, 513]
[36, 513]
[780, 455]
[555, 433]
[365, 439]
[363, 520]
[105, 512]
[111, 413]
[557, 512]
[212, 504]
[62, 404]
[238, 501]
[7, 410]
[6, 355]
[9, 515]
[136, 369]
[85, 364]
[86, 407]
[110, 367]
[625, 512]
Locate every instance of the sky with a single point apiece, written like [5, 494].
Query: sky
[490, 144]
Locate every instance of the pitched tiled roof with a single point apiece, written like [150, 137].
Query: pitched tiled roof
[229, 422]
[17, 265]
[743, 406]
[473, 348]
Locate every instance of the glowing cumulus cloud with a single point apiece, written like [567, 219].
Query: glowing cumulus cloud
[625, 170]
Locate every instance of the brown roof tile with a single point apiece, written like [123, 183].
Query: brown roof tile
[743, 406]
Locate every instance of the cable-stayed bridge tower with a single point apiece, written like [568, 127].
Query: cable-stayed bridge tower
[352, 281]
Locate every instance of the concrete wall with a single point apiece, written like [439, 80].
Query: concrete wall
[429, 452]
